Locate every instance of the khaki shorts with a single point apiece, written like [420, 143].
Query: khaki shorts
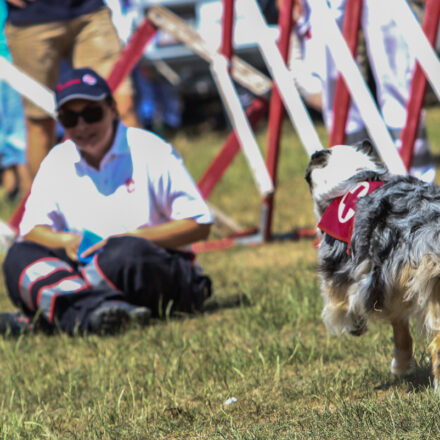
[86, 41]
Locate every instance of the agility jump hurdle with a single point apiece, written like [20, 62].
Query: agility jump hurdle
[284, 92]
[421, 40]
[289, 94]
[430, 25]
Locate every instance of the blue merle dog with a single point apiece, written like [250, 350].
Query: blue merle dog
[388, 263]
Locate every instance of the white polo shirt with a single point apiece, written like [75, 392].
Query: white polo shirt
[142, 181]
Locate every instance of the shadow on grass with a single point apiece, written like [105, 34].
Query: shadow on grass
[418, 381]
[9, 329]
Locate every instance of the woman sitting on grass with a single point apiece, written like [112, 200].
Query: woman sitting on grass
[109, 210]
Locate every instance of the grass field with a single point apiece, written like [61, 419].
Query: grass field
[287, 378]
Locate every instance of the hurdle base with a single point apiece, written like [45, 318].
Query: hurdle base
[251, 237]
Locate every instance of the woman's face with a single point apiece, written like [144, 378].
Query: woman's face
[93, 128]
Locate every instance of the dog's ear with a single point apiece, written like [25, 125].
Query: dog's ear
[367, 148]
[308, 177]
[319, 159]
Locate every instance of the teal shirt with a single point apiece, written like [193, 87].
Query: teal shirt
[4, 51]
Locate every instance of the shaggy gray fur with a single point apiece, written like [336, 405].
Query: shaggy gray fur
[395, 227]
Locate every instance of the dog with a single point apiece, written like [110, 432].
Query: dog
[379, 251]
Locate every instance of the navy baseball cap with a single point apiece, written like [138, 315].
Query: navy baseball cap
[82, 83]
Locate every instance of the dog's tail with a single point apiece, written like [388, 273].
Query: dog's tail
[336, 314]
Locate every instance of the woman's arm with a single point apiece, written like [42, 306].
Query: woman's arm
[56, 240]
[172, 234]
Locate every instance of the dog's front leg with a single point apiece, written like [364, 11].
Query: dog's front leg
[434, 348]
[403, 361]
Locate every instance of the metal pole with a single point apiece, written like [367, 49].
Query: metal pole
[430, 24]
[227, 29]
[276, 116]
[341, 102]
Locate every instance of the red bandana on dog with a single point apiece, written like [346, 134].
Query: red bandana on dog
[338, 219]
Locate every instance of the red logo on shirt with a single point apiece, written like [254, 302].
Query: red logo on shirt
[129, 185]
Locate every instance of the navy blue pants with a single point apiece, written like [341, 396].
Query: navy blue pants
[64, 293]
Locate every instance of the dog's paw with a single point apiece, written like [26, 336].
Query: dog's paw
[436, 386]
[356, 325]
[403, 366]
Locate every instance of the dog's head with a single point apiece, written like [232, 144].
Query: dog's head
[334, 171]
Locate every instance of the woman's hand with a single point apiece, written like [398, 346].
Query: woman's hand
[18, 3]
[92, 249]
[56, 240]
[169, 235]
[71, 245]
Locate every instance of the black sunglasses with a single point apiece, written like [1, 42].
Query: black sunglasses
[89, 114]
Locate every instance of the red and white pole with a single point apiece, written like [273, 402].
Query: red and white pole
[430, 25]
[131, 53]
[341, 103]
[276, 116]
[227, 29]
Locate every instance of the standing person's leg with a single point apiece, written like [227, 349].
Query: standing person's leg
[97, 45]
[40, 135]
[13, 143]
[44, 282]
[149, 275]
[393, 64]
[37, 50]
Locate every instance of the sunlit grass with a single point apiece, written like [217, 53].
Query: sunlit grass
[290, 379]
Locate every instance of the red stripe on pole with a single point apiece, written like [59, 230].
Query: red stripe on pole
[256, 110]
[214, 245]
[418, 86]
[17, 215]
[276, 115]
[227, 242]
[341, 102]
[227, 28]
[131, 53]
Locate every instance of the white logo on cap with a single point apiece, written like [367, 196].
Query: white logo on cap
[89, 79]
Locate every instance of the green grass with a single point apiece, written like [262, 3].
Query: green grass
[171, 380]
